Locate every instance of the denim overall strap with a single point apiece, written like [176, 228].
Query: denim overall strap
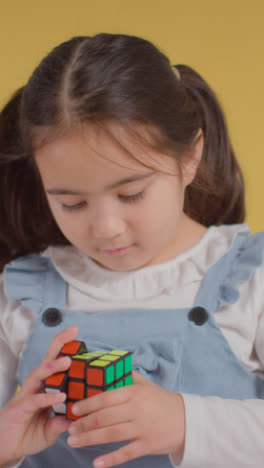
[34, 281]
[219, 285]
[210, 366]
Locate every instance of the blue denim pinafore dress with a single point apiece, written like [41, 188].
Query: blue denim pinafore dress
[183, 350]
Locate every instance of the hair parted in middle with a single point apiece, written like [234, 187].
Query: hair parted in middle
[101, 79]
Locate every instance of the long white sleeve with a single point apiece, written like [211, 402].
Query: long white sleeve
[8, 367]
[223, 433]
[14, 328]
[226, 432]
[8, 383]
[8, 360]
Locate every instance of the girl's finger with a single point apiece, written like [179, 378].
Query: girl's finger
[106, 417]
[130, 451]
[34, 380]
[54, 427]
[60, 339]
[32, 384]
[115, 433]
[34, 403]
[103, 400]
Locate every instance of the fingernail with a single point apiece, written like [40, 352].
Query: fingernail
[75, 409]
[72, 430]
[99, 463]
[73, 440]
[72, 327]
[60, 396]
[64, 359]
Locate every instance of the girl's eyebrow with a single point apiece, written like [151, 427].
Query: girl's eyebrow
[127, 180]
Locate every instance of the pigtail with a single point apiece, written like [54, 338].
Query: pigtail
[9, 148]
[217, 194]
[25, 218]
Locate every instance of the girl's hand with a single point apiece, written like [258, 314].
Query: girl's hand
[25, 424]
[147, 415]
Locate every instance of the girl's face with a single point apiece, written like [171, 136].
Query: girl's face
[114, 209]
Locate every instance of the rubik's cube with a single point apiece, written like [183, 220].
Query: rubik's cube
[89, 374]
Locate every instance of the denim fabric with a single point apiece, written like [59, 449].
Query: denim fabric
[168, 347]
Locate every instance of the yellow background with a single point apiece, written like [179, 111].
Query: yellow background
[222, 40]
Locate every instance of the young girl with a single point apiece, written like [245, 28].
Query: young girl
[122, 208]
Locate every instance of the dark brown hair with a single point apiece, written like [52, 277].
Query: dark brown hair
[120, 78]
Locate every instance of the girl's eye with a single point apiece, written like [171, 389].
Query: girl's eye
[132, 198]
[74, 207]
[125, 198]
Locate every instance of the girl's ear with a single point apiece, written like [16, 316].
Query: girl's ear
[192, 160]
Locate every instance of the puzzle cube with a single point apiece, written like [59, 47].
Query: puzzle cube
[89, 374]
[96, 372]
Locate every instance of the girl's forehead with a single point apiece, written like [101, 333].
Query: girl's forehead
[106, 145]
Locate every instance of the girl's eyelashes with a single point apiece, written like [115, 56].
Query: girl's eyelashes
[76, 207]
[132, 198]
[124, 198]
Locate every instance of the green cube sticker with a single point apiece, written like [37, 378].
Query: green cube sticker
[119, 369]
[128, 380]
[120, 384]
[128, 364]
[110, 388]
[110, 374]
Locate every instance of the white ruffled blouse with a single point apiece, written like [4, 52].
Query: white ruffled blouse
[219, 432]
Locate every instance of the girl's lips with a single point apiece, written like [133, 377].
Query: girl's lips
[120, 251]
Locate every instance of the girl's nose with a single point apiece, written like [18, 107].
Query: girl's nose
[108, 227]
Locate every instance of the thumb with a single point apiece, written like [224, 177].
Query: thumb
[54, 427]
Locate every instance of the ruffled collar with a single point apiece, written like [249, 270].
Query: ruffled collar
[83, 274]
